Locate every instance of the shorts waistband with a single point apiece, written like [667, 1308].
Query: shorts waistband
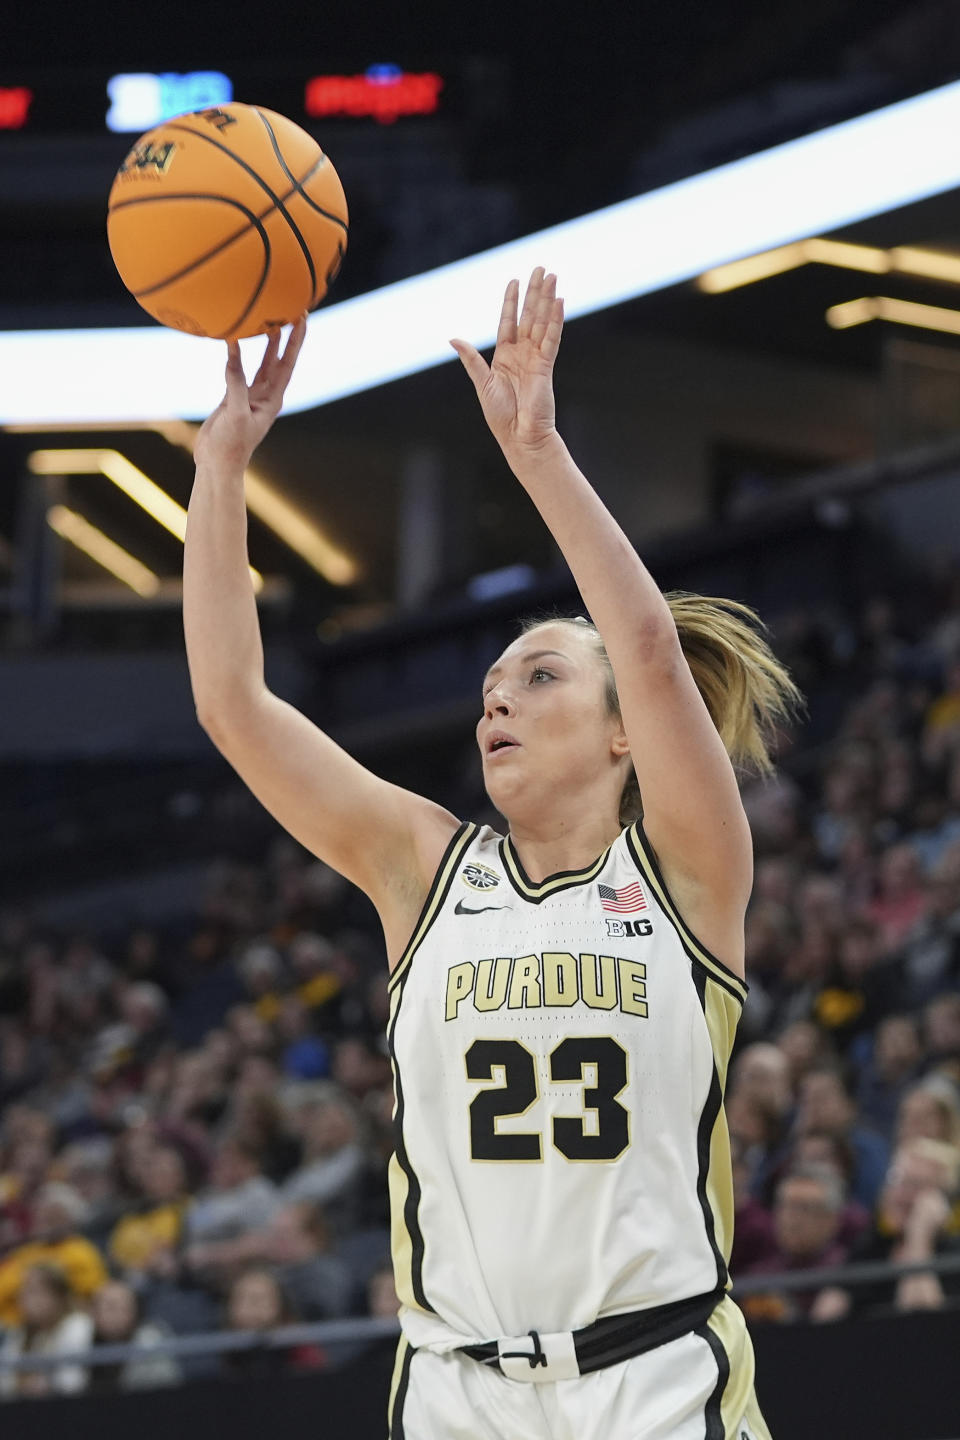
[595, 1347]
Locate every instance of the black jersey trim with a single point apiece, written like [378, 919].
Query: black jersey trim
[713, 1411]
[460, 841]
[642, 852]
[411, 1205]
[446, 870]
[708, 1119]
[535, 891]
[395, 1421]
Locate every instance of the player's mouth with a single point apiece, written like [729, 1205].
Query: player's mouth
[498, 742]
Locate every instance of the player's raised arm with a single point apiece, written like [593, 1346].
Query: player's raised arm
[692, 811]
[383, 838]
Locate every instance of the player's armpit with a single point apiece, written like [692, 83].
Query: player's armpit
[384, 839]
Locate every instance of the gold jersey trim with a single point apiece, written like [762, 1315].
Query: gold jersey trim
[536, 891]
[642, 852]
[454, 853]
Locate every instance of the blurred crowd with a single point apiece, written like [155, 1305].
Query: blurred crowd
[195, 1128]
[195, 1122]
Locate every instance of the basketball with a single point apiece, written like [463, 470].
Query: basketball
[228, 221]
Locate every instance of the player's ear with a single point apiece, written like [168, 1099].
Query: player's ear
[619, 744]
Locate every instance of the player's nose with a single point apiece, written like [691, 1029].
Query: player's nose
[499, 702]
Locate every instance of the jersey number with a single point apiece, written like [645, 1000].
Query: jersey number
[517, 1091]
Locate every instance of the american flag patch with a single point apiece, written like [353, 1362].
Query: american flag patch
[623, 901]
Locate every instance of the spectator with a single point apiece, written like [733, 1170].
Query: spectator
[910, 1226]
[26, 1166]
[902, 896]
[931, 953]
[753, 1223]
[317, 982]
[239, 1197]
[357, 1068]
[826, 1107]
[941, 1032]
[762, 1072]
[930, 1110]
[862, 986]
[158, 1221]
[118, 1320]
[56, 1239]
[48, 1325]
[807, 1048]
[382, 1300]
[257, 1302]
[332, 1162]
[255, 1116]
[251, 1031]
[297, 1242]
[88, 1166]
[305, 1056]
[806, 1223]
[893, 1064]
[834, 1152]
[261, 971]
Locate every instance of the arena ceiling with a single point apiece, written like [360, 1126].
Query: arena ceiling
[586, 84]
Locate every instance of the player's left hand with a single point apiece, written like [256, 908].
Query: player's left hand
[516, 389]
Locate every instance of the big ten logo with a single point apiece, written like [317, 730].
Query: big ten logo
[619, 929]
[140, 101]
[149, 157]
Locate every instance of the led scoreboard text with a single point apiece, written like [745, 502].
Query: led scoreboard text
[133, 102]
[138, 102]
[384, 92]
[14, 106]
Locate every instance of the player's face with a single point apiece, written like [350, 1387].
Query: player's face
[546, 723]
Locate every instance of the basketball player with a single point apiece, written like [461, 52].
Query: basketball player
[564, 998]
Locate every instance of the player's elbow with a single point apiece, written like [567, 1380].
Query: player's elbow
[221, 716]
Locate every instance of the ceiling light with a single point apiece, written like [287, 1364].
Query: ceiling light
[276, 512]
[753, 268]
[106, 552]
[933, 264]
[127, 477]
[898, 312]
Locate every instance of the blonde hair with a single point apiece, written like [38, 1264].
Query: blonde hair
[746, 690]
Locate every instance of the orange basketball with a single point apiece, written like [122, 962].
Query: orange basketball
[227, 221]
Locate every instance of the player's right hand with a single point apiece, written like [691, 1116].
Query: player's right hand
[228, 437]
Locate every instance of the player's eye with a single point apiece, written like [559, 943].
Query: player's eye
[539, 673]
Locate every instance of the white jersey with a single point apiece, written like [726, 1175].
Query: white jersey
[560, 1052]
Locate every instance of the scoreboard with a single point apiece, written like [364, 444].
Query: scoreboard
[87, 102]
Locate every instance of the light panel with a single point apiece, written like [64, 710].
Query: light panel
[898, 312]
[837, 176]
[263, 500]
[106, 552]
[906, 259]
[160, 506]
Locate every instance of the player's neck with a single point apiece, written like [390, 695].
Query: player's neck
[546, 847]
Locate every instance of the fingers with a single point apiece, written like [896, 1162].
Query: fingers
[507, 330]
[550, 343]
[275, 369]
[473, 362]
[295, 339]
[269, 356]
[543, 311]
[236, 380]
[530, 303]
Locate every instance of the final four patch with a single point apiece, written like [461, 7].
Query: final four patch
[478, 877]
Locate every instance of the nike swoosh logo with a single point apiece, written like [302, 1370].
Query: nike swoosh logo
[461, 909]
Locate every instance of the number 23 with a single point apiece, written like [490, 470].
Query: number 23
[518, 1091]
